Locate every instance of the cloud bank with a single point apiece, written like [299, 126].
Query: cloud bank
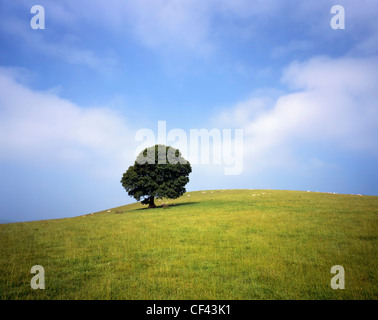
[330, 102]
[45, 128]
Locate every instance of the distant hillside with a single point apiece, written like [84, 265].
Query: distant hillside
[5, 221]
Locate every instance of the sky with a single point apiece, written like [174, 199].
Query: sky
[77, 92]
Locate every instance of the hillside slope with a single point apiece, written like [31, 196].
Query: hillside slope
[213, 244]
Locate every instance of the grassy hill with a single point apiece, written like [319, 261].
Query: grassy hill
[221, 244]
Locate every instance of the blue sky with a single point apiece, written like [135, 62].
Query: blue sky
[74, 95]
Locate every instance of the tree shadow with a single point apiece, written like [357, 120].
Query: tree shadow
[169, 205]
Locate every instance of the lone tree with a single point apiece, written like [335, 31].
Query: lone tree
[159, 171]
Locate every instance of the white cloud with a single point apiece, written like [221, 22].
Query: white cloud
[167, 24]
[42, 127]
[334, 103]
[59, 39]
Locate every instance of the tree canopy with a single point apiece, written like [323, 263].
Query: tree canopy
[158, 172]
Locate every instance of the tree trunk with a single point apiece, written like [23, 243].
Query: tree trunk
[151, 202]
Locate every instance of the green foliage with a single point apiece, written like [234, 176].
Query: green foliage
[159, 171]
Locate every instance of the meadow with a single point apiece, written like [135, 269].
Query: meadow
[212, 244]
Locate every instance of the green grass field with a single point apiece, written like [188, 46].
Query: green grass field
[221, 244]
